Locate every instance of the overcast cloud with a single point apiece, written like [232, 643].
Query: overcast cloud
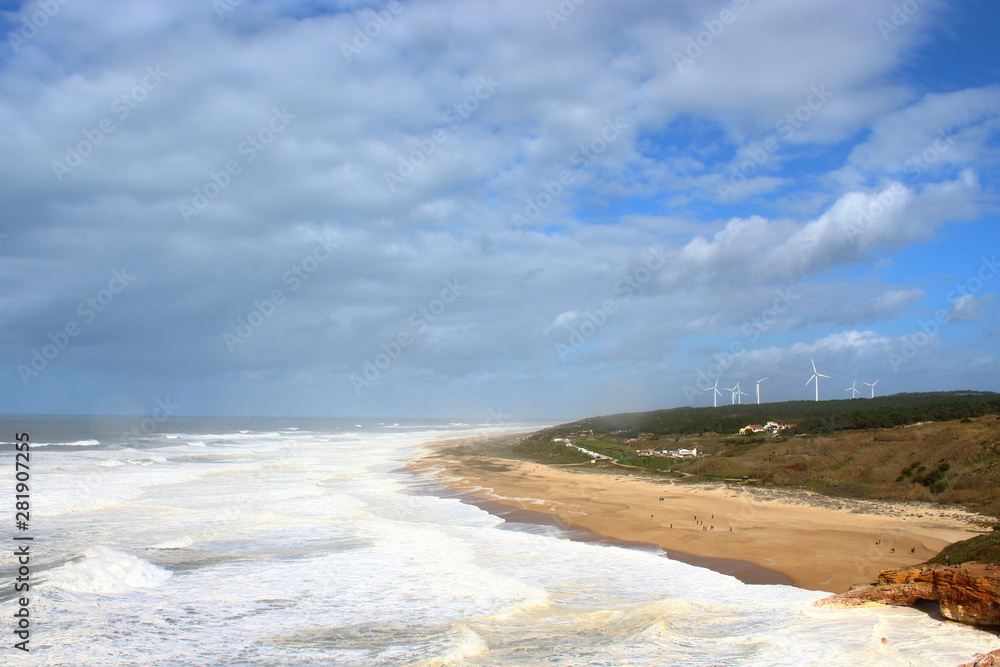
[445, 208]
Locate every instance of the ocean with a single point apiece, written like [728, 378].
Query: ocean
[294, 542]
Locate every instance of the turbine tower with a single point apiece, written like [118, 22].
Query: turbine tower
[733, 390]
[872, 385]
[758, 387]
[739, 393]
[815, 378]
[715, 393]
[853, 389]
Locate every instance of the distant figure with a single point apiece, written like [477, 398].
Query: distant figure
[713, 527]
[730, 529]
[913, 550]
[713, 516]
[650, 516]
[661, 500]
[892, 550]
[671, 525]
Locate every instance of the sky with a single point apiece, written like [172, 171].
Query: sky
[494, 210]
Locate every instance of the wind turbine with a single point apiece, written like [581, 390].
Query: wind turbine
[716, 393]
[739, 393]
[872, 385]
[853, 389]
[758, 387]
[815, 378]
[733, 390]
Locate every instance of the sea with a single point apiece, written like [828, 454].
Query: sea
[295, 542]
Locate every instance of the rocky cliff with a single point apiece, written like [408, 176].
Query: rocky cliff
[966, 593]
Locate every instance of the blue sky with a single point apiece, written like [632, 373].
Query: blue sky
[465, 209]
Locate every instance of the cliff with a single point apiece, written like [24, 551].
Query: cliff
[967, 593]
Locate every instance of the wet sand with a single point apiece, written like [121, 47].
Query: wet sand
[759, 536]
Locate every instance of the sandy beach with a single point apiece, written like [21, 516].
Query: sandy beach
[813, 541]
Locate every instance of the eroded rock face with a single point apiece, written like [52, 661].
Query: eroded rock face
[991, 659]
[967, 594]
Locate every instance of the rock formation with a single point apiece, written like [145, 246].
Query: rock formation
[991, 659]
[967, 593]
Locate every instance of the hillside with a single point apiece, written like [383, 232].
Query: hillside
[809, 416]
[941, 447]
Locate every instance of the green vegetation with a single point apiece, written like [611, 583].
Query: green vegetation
[980, 549]
[942, 447]
[808, 416]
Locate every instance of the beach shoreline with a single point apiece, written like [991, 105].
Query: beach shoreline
[758, 535]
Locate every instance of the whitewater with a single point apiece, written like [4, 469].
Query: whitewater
[301, 542]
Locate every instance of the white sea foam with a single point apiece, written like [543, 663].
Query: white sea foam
[75, 443]
[105, 570]
[179, 543]
[308, 549]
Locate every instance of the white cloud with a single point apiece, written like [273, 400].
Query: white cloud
[969, 308]
[538, 134]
